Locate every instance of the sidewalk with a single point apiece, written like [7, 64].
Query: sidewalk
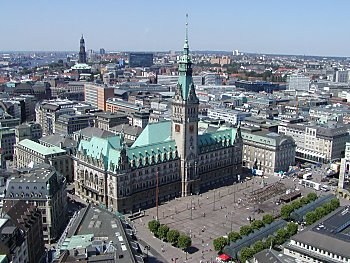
[156, 245]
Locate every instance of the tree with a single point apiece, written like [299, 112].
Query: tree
[328, 207]
[245, 230]
[269, 242]
[281, 236]
[256, 224]
[267, 219]
[292, 229]
[219, 243]
[310, 218]
[233, 236]
[258, 246]
[153, 226]
[162, 231]
[184, 241]
[246, 253]
[320, 212]
[335, 203]
[295, 204]
[286, 210]
[172, 236]
[311, 197]
[304, 200]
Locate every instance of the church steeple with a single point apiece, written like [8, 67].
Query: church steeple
[185, 81]
[82, 53]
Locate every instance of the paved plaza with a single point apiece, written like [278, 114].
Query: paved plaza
[213, 214]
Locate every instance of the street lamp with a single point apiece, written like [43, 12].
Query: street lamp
[214, 201]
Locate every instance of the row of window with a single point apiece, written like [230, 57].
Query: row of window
[322, 252]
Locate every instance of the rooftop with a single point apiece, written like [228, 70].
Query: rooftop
[272, 256]
[41, 149]
[77, 241]
[106, 226]
[154, 133]
[330, 234]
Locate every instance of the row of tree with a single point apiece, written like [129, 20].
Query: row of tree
[278, 238]
[287, 209]
[220, 242]
[174, 237]
[319, 212]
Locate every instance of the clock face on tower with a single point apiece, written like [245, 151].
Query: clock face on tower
[177, 127]
[191, 129]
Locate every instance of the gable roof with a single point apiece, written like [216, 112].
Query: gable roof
[154, 133]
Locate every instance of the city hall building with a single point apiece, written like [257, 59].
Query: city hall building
[170, 154]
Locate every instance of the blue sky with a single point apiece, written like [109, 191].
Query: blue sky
[307, 27]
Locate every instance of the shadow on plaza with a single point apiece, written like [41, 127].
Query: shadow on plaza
[152, 259]
[192, 250]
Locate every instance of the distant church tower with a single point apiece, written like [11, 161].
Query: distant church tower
[82, 53]
[185, 123]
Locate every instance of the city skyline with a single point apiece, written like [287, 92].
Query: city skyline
[258, 27]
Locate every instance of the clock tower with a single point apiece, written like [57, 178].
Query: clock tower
[185, 123]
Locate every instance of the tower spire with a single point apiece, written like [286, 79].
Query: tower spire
[186, 46]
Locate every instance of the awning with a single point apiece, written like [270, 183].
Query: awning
[224, 257]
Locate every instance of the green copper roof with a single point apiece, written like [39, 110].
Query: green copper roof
[109, 150]
[100, 146]
[41, 149]
[208, 139]
[105, 149]
[160, 151]
[154, 133]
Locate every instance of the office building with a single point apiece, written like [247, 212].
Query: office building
[266, 151]
[121, 106]
[171, 152]
[229, 116]
[48, 112]
[139, 59]
[317, 143]
[257, 86]
[7, 142]
[298, 82]
[28, 152]
[68, 124]
[342, 76]
[107, 120]
[43, 187]
[29, 130]
[96, 95]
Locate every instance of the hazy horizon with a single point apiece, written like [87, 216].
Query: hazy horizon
[260, 27]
